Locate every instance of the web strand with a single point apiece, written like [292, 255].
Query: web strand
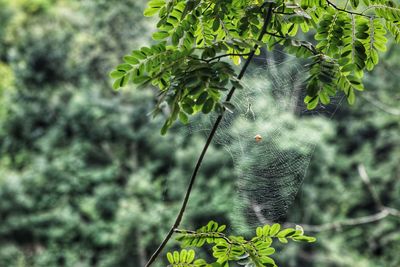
[270, 171]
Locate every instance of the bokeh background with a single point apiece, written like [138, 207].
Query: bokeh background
[87, 180]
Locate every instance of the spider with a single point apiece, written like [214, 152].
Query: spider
[258, 138]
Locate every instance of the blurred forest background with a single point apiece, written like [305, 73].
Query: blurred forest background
[87, 180]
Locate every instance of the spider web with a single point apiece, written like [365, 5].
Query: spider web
[270, 171]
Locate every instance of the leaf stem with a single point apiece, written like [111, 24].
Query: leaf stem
[267, 19]
[208, 234]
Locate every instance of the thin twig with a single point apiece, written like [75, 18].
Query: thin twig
[337, 226]
[345, 10]
[228, 55]
[383, 212]
[178, 219]
[284, 13]
[276, 35]
[210, 234]
[365, 178]
[381, 106]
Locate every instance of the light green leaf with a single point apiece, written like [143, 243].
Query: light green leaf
[160, 35]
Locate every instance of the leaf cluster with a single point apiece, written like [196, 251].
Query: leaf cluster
[195, 37]
[255, 251]
[352, 40]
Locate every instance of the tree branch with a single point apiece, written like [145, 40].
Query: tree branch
[220, 56]
[267, 19]
[337, 226]
[382, 106]
[382, 214]
[228, 55]
[284, 13]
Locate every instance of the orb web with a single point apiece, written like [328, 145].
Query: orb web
[271, 137]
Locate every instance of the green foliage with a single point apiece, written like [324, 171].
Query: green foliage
[320, 87]
[86, 179]
[227, 249]
[394, 29]
[196, 87]
[7, 81]
[81, 180]
[64, 199]
[194, 35]
[185, 258]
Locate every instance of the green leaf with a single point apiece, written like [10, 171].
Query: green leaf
[187, 108]
[120, 82]
[165, 127]
[259, 231]
[160, 35]
[324, 97]
[190, 256]
[387, 12]
[274, 229]
[131, 60]
[138, 55]
[208, 106]
[183, 255]
[355, 3]
[266, 229]
[124, 67]
[183, 118]
[305, 239]
[117, 74]
[154, 7]
[221, 228]
[394, 29]
[176, 256]
[170, 258]
[351, 98]
[283, 240]
[141, 80]
[313, 103]
[286, 232]
[202, 98]
[149, 12]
